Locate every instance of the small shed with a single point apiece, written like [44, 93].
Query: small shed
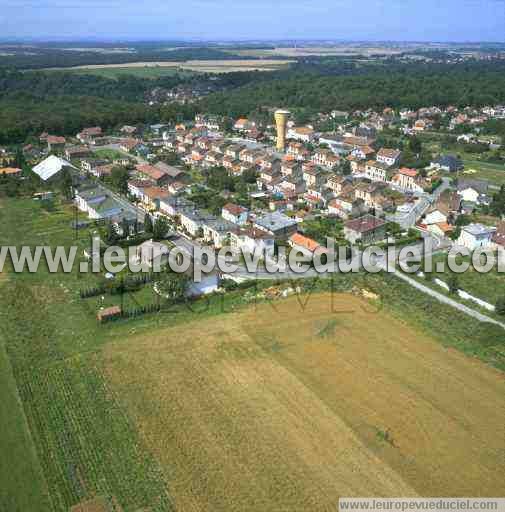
[108, 313]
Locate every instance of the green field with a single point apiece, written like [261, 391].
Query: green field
[22, 480]
[494, 173]
[139, 72]
[488, 286]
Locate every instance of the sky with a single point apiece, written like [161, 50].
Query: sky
[355, 20]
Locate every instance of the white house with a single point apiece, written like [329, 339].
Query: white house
[302, 134]
[235, 213]
[389, 157]
[474, 236]
[51, 166]
[435, 217]
[251, 239]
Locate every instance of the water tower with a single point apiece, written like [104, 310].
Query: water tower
[281, 119]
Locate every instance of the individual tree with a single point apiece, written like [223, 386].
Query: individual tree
[66, 184]
[19, 160]
[345, 167]
[500, 305]
[173, 285]
[112, 235]
[148, 224]
[119, 179]
[125, 228]
[160, 229]
[497, 206]
[453, 283]
[415, 145]
[455, 233]
[463, 220]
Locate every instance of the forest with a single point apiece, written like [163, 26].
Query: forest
[63, 103]
[460, 86]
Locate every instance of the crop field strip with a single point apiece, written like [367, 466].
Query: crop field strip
[86, 444]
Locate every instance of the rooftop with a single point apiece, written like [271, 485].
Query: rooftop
[275, 221]
[364, 224]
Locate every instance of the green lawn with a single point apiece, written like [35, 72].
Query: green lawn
[109, 154]
[488, 286]
[495, 173]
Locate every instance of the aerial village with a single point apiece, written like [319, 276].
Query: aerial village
[248, 184]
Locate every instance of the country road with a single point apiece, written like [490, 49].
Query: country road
[447, 300]
[439, 244]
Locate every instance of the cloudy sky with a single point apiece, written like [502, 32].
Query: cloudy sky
[400, 20]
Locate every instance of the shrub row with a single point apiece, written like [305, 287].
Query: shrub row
[129, 284]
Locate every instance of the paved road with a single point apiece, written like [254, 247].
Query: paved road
[447, 300]
[438, 245]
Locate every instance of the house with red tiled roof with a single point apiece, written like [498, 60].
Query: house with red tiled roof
[88, 134]
[55, 143]
[157, 176]
[235, 213]
[10, 171]
[305, 245]
[441, 228]
[302, 133]
[409, 180]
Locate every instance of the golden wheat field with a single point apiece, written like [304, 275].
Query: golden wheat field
[287, 406]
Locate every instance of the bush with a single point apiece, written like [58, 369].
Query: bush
[500, 306]
[453, 283]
